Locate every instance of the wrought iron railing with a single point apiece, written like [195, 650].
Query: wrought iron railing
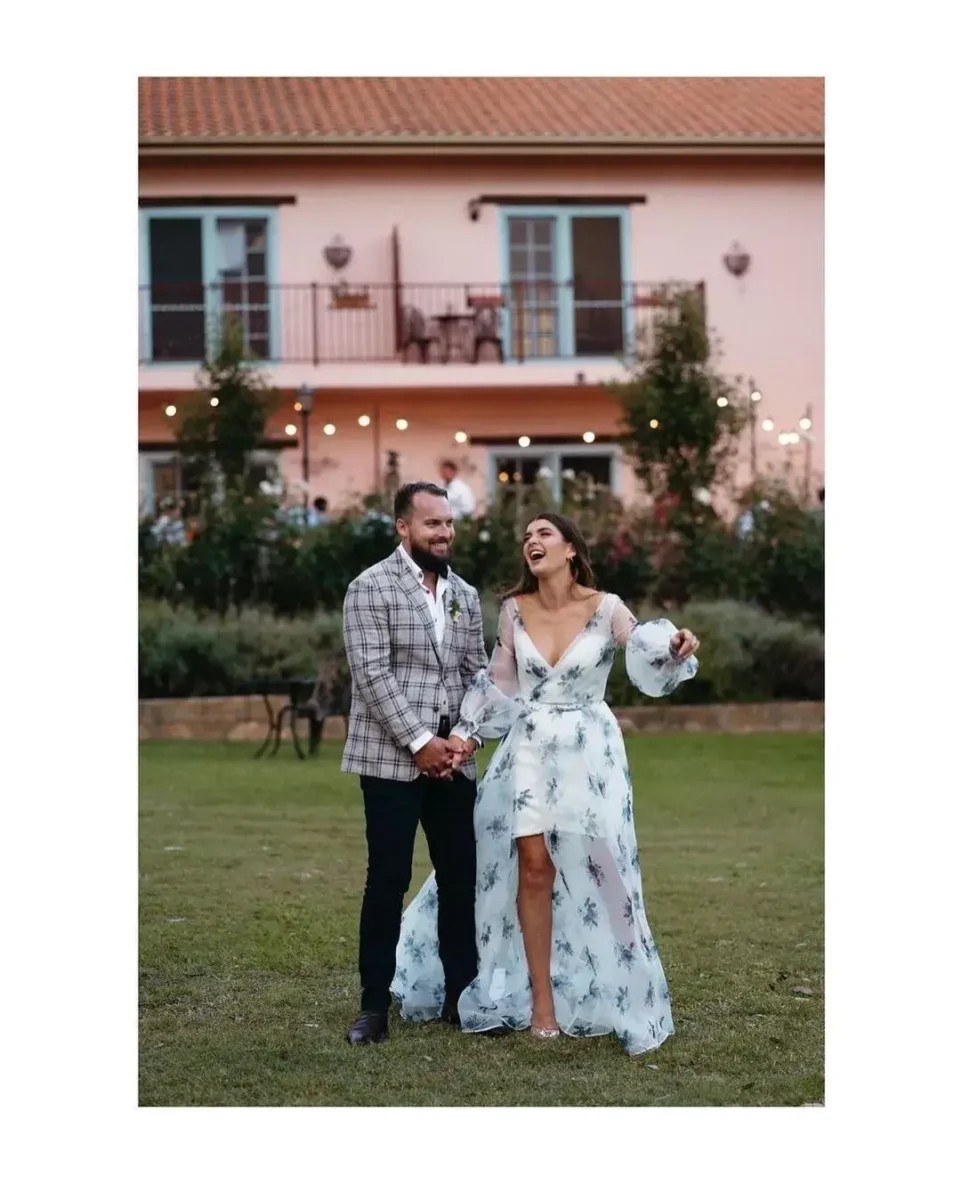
[384, 322]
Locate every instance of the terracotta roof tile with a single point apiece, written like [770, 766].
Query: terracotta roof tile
[568, 109]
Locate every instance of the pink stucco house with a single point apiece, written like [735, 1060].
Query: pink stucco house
[451, 266]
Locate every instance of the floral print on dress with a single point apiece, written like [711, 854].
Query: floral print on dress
[560, 771]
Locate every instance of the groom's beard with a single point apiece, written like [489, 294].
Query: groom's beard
[430, 563]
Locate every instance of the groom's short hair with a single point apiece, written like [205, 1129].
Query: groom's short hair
[404, 500]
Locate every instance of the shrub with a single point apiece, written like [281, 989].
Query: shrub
[746, 654]
[782, 561]
[244, 554]
[183, 653]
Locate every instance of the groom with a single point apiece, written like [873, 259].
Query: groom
[414, 640]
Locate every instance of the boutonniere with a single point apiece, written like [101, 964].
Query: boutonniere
[454, 610]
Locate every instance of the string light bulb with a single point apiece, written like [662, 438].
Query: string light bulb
[588, 437]
[214, 401]
[767, 424]
[524, 441]
[330, 430]
[171, 410]
[298, 407]
[460, 437]
[655, 423]
[401, 423]
[290, 430]
[363, 421]
[722, 401]
[805, 422]
[756, 396]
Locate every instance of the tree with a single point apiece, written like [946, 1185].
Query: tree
[217, 441]
[681, 441]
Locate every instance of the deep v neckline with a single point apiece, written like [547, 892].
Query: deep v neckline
[577, 637]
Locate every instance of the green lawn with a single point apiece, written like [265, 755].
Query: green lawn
[251, 876]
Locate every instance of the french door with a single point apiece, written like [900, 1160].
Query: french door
[568, 294]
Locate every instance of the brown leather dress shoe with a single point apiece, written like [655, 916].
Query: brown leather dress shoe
[369, 1027]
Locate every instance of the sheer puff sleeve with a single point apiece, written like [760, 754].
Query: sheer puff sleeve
[490, 705]
[651, 664]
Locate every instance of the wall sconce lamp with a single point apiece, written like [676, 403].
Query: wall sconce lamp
[337, 253]
[737, 260]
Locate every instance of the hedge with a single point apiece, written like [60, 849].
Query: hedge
[746, 654]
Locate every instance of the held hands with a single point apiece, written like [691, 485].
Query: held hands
[434, 759]
[462, 751]
[441, 757]
[684, 644]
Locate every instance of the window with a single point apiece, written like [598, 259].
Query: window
[518, 470]
[162, 475]
[596, 467]
[566, 271]
[533, 272]
[511, 469]
[199, 265]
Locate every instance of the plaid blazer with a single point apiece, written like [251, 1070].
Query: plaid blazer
[401, 680]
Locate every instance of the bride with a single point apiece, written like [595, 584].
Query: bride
[562, 937]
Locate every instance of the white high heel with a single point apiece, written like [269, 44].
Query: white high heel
[539, 1032]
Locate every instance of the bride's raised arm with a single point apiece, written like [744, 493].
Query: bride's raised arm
[490, 707]
[652, 665]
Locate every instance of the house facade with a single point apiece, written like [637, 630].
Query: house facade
[451, 268]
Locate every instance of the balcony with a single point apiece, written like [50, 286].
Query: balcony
[536, 321]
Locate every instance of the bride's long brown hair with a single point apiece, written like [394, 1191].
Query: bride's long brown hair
[581, 570]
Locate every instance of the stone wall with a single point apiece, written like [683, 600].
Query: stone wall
[244, 719]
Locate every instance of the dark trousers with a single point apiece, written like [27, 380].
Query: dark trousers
[446, 811]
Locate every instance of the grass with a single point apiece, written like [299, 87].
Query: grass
[251, 876]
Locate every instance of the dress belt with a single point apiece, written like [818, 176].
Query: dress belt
[562, 707]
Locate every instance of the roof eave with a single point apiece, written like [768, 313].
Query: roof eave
[769, 144]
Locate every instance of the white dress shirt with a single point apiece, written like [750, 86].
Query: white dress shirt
[460, 496]
[436, 606]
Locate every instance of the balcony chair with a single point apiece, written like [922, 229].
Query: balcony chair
[415, 331]
[487, 323]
